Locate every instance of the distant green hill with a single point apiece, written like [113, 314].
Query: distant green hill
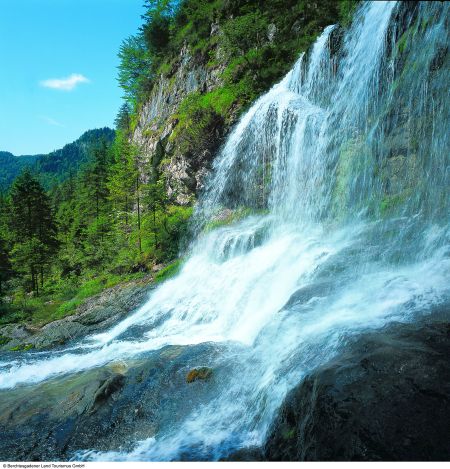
[11, 166]
[57, 165]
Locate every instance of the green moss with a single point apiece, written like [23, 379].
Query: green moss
[346, 10]
[89, 289]
[402, 42]
[68, 307]
[4, 340]
[289, 434]
[232, 216]
[44, 311]
[147, 132]
[232, 69]
[390, 203]
[406, 37]
[220, 100]
[21, 348]
[196, 106]
[165, 68]
[350, 160]
[169, 271]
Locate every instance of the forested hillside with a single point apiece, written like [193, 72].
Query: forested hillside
[117, 210]
[11, 166]
[56, 166]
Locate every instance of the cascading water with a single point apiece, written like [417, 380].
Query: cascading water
[337, 183]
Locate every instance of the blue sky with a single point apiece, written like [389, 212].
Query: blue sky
[58, 68]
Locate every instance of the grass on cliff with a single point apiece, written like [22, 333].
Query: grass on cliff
[170, 271]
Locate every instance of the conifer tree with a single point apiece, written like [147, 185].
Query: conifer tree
[5, 265]
[34, 227]
[121, 180]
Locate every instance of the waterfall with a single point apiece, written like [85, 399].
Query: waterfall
[336, 183]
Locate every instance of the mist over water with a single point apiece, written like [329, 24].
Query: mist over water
[337, 179]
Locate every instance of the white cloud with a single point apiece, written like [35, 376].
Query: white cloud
[65, 84]
[51, 121]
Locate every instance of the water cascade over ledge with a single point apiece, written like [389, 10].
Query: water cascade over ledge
[337, 184]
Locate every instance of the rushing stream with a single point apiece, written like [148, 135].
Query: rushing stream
[337, 180]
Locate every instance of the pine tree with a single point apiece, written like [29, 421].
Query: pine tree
[156, 198]
[123, 118]
[5, 265]
[34, 227]
[121, 180]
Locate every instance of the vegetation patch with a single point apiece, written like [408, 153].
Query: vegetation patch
[390, 203]
[4, 340]
[228, 217]
[169, 271]
[21, 348]
[289, 434]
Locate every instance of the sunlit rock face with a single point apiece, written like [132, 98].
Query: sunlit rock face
[159, 149]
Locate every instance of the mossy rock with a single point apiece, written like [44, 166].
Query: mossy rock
[228, 216]
[21, 348]
[203, 373]
[168, 272]
[289, 434]
[4, 340]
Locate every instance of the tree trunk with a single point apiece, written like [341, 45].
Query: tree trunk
[34, 281]
[154, 229]
[139, 213]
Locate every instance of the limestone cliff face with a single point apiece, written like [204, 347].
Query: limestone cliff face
[160, 148]
[243, 56]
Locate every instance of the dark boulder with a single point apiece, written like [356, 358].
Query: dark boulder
[387, 397]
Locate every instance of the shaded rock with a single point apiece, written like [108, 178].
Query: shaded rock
[111, 385]
[386, 398]
[246, 455]
[154, 133]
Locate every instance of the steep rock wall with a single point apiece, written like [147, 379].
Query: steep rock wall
[222, 79]
[154, 133]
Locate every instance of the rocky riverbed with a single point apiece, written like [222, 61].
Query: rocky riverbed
[385, 397]
[109, 408]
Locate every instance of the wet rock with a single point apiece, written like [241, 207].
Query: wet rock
[246, 455]
[386, 398]
[204, 373]
[104, 409]
[111, 385]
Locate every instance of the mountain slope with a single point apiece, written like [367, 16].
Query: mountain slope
[11, 166]
[57, 165]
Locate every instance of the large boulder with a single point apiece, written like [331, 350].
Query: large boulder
[387, 397]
